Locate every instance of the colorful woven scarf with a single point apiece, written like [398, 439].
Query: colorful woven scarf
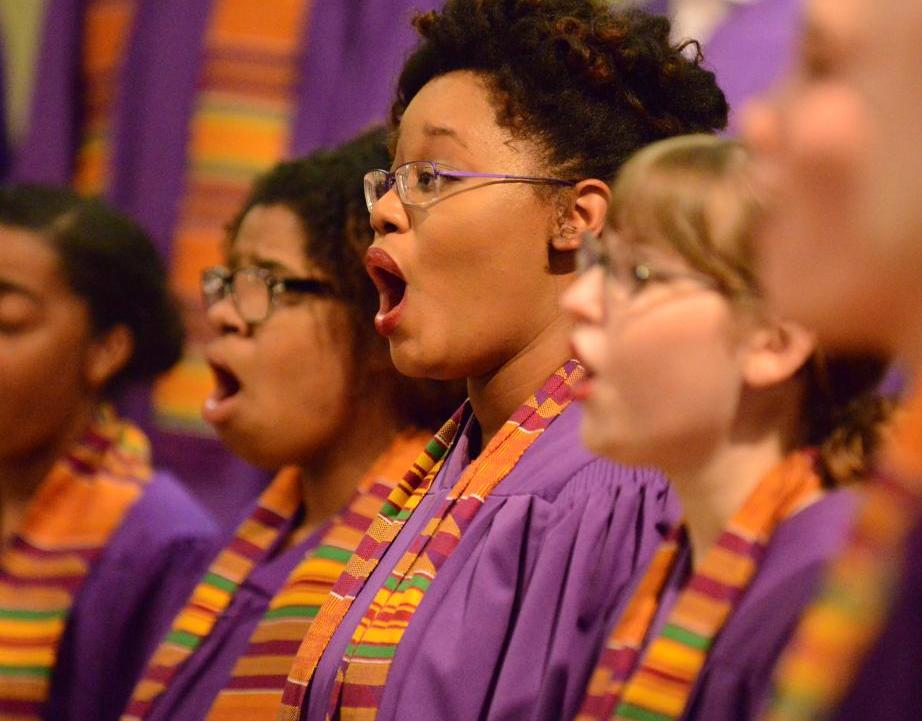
[656, 685]
[107, 27]
[840, 626]
[361, 678]
[67, 524]
[240, 126]
[255, 687]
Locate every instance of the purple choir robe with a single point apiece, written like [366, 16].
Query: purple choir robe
[751, 49]
[4, 136]
[736, 679]
[192, 692]
[520, 609]
[347, 82]
[135, 588]
[889, 683]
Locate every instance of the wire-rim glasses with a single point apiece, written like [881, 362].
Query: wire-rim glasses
[255, 291]
[422, 182]
[631, 275]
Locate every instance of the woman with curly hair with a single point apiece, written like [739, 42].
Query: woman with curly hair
[485, 583]
[304, 387]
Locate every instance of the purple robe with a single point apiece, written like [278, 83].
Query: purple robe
[736, 678]
[519, 611]
[889, 683]
[751, 49]
[354, 53]
[133, 591]
[192, 692]
[4, 137]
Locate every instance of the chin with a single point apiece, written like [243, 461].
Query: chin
[411, 361]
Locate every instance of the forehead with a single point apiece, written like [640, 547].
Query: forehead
[454, 116]
[271, 235]
[28, 261]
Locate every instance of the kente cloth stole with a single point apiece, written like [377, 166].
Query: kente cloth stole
[261, 672]
[254, 692]
[390, 518]
[106, 31]
[363, 672]
[68, 523]
[240, 126]
[652, 680]
[847, 615]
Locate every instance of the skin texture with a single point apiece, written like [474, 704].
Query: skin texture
[481, 302]
[52, 363]
[293, 368]
[683, 379]
[296, 403]
[837, 148]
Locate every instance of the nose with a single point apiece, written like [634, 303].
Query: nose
[388, 214]
[583, 301]
[224, 319]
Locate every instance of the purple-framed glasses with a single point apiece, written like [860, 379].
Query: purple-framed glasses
[422, 182]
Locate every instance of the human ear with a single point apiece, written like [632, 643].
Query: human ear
[108, 354]
[585, 211]
[775, 352]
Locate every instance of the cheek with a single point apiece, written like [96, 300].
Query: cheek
[813, 255]
[663, 385]
[479, 284]
[42, 384]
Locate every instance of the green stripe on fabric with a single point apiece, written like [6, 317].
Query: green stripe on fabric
[182, 638]
[363, 650]
[213, 579]
[635, 713]
[21, 615]
[391, 583]
[293, 612]
[40, 671]
[420, 582]
[684, 636]
[435, 449]
[333, 553]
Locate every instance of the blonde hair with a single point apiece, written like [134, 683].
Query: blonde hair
[695, 194]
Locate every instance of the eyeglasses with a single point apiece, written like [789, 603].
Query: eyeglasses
[255, 291]
[422, 182]
[631, 276]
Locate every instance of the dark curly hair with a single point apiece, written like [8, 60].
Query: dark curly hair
[109, 262]
[324, 190]
[589, 83]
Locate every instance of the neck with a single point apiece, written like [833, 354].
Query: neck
[21, 476]
[496, 395]
[715, 490]
[331, 478]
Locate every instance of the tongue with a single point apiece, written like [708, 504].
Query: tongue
[391, 291]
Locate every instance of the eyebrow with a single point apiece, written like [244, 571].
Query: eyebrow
[440, 131]
[273, 266]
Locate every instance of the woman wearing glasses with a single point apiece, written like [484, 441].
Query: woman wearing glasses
[483, 593]
[98, 548]
[302, 384]
[755, 428]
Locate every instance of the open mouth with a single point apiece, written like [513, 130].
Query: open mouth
[217, 406]
[392, 289]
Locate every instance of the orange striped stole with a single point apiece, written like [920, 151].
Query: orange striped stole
[255, 687]
[843, 622]
[645, 679]
[363, 672]
[240, 127]
[68, 523]
[106, 32]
